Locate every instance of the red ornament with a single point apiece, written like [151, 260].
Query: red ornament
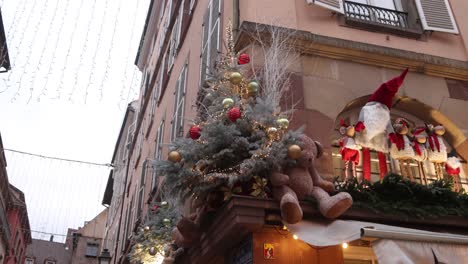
[243, 59]
[195, 132]
[234, 114]
[155, 207]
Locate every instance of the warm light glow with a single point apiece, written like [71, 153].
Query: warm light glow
[285, 228]
[295, 236]
[344, 245]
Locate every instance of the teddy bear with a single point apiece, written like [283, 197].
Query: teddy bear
[349, 150]
[401, 148]
[171, 252]
[297, 182]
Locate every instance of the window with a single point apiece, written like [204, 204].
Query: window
[179, 104]
[92, 249]
[141, 137]
[158, 150]
[434, 15]
[210, 39]
[29, 261]
[129, 141]
[153, 104]
[141, 193]
[192, 5]
[125, 229]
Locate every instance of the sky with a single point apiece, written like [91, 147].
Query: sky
[72, 76]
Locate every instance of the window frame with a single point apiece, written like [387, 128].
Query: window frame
[158, 150]
[92, 245]
[179, 103]
[206, 52]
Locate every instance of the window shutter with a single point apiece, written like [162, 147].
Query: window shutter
[214, 34]
[335, 5]
[204, 54]
[436, 15]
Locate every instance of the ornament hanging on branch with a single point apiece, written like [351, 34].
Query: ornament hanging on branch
[152, 251]
[252, 88]
[228, 102]
[235, 78]
[195, 132]
[174, 156]
[243, 59]
[272, 133]
[283, 123]
[234, 114]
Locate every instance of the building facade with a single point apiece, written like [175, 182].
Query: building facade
[47, 252]
[346, 50]
[18, 221]
[87, 240]
[4, 57]
[4, 202]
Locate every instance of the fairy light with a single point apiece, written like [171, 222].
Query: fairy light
[295, 237]
[344, 245]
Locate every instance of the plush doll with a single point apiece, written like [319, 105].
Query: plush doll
[452, 167]
[420, 151]
[401, 148]
[436, 149]
[349, 150]
[374, 123]
[302, 180]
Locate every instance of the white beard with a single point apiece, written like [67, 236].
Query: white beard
[375, 117]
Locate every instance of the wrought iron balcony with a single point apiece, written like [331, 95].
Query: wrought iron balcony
[375, 15]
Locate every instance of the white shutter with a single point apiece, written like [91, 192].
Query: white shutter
[436, 15]
[335, 5]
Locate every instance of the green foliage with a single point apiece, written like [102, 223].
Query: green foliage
[156, 232]
[397, 196]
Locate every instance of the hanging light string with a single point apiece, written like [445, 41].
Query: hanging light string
[61, 159]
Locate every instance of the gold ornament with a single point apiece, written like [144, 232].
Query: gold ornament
[166, 221]
[235, 78]
[228, 102]
[147, 228]
[174, 156]
[252, 88]
[272, 133]
[153, 251]
[294, 152]
[164, 204]
[283, 123]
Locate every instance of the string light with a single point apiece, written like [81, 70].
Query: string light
[344, 245]
[295, 237]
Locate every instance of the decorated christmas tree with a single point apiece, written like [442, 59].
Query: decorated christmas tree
[239, 143]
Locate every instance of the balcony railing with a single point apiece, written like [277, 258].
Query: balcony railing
[376, 15]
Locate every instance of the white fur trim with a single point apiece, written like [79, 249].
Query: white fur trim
[351, 144]
[453, 162]
[376, 118]
[406, 153]
[423, 156]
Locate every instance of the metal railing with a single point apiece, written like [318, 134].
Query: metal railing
[376, 15]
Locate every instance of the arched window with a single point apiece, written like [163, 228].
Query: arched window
[379, 164]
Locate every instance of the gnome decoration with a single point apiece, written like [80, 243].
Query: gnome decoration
[400, 148]
[420, 151]
[349, 150]
[452, 167]
[436, 151]
[374, 122]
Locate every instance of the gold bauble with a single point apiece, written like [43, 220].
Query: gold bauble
[163, 204]
[235, 78]
[174, 156]
[228, 102]
[283, 123]
[294, 152]
[252, 88]
[272, 133]
[147, 228]
[166, 221]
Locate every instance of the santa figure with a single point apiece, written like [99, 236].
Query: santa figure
[349, 150]
[401, 148]
[452, 167]
[374, 123]
[420, 151]
[436, 149]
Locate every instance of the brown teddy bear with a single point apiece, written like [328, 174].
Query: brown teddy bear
[303, 180]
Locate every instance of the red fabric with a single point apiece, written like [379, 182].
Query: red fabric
[433, 140]
[348, 154]
[452, 171]
[398, 140]
[360, 126]
[417, 148]
[382, 164]
[243, 59]
[366, 165]
[384, 94]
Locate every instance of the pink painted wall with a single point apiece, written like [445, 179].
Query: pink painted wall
[297, 14]
[13, 256]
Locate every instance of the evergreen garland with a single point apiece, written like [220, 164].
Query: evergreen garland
[395, 195]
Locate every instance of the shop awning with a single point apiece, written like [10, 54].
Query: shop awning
[391, 244]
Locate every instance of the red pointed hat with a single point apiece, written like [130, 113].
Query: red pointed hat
[384, 94]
